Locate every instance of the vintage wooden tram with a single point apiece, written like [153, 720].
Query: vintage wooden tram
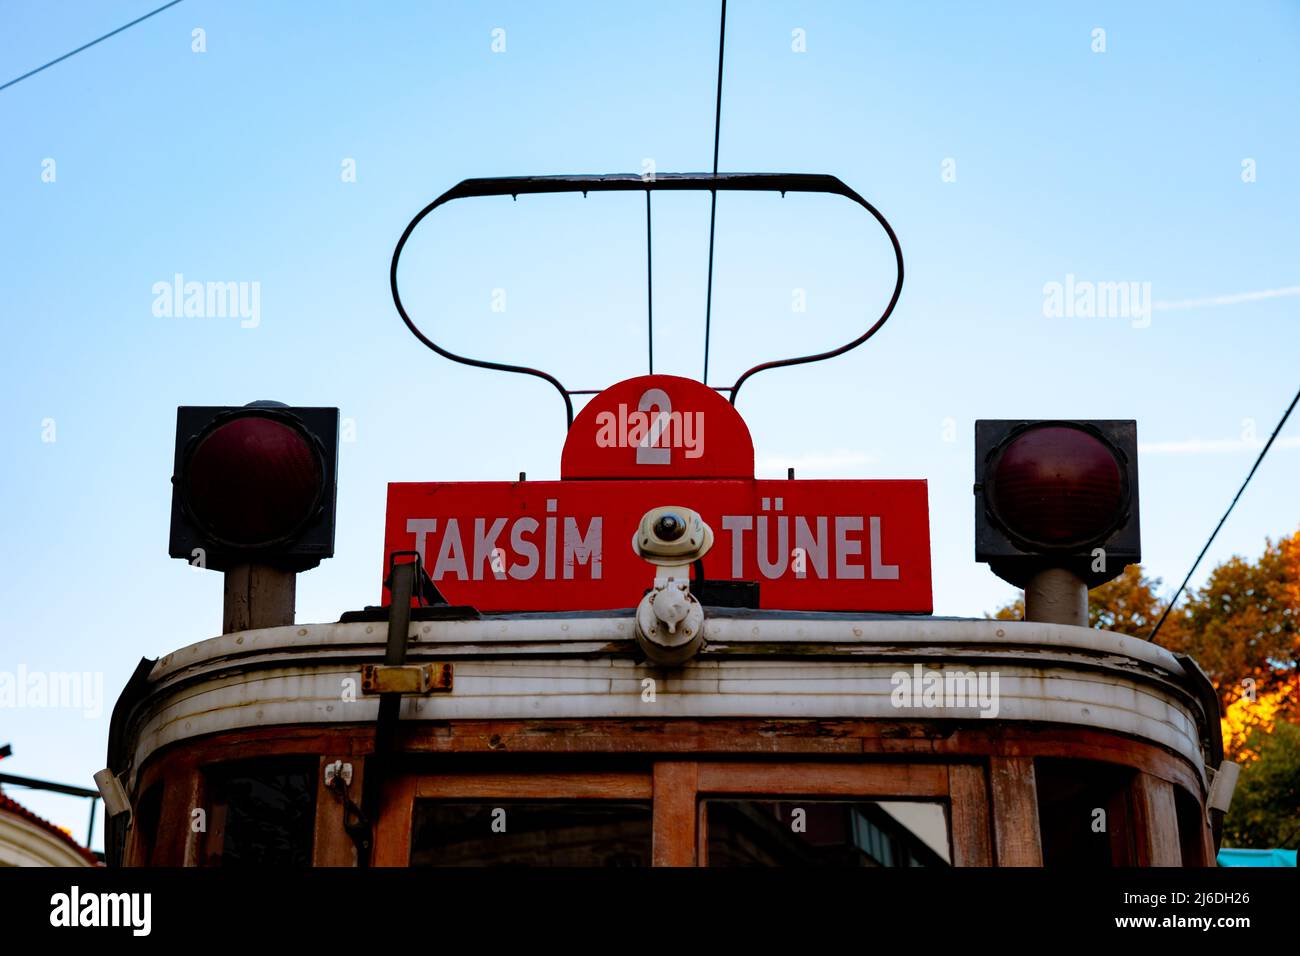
[659, 659]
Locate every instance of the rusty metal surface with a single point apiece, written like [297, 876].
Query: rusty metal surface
[406, 678]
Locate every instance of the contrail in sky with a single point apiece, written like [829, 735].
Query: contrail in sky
[1226, 299]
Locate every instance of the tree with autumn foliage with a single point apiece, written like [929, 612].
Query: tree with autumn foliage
[1265, 812]
[1243, 628]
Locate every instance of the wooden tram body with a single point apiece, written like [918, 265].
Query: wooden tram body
[778, 707]
[513, 704]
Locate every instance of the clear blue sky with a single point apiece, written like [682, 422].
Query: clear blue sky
[226, 166]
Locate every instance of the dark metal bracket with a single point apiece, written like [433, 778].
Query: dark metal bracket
[516, 186]
[406, 579]
[425, 591]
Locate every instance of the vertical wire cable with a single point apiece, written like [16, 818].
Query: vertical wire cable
[713, 194]
[649, 286]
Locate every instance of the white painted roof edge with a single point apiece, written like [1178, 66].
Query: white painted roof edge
[561, 629]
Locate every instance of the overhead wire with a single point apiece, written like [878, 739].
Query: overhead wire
[649, 285]
[713, 195]
[1263, 451]
[87, 46]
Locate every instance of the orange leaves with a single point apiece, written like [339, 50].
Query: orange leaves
[1244, 716]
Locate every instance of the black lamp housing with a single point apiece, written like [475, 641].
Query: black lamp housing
[303, 533]
[1097, 546]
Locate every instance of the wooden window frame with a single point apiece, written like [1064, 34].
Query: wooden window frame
[813, 780]
[989, 772]
[678, 789]
[393, 829]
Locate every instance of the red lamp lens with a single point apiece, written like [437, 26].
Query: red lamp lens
[253, 481]
[1058, 486]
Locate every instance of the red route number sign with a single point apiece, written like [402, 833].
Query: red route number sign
[662, 440]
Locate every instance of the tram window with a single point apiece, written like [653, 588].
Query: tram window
[148, 814]
[1191, 827]
[533, 833]
[1084, 816]
[261, 813]
[826, 833]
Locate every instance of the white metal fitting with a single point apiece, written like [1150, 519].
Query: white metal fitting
[669, 620]
[116, 802]
[339, 769]
[1223, 782]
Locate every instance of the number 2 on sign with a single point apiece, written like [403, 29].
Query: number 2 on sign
[648, 452]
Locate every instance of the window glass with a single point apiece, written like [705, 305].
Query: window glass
[261, 813]
[532, 833]
[1191, 828]
[148, 814]
[826, 833]
[1084, 816]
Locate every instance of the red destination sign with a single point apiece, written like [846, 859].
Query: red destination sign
[654, 441]
[658, 426]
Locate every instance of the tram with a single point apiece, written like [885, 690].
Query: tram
[660, 659]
